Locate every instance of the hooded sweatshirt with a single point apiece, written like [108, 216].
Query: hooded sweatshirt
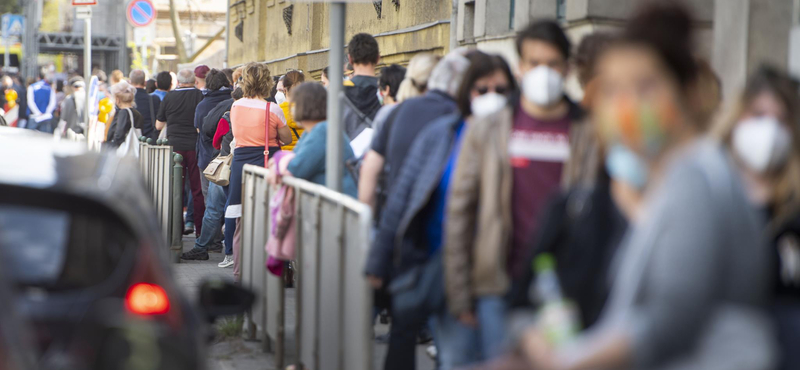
[363, 92]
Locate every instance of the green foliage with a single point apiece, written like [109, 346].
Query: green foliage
[10, 6]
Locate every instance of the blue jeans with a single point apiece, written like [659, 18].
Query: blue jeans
[461, 346]
[188, 205]
[230, 226]
[212, 219]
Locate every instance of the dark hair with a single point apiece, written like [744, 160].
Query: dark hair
[392, 76]
[666, 28]
[237, 93]
[292, 78]
[150, 86]
[548, 31]
[164, 80]
[363, 49]
[60, 85]
[770, 79]
[586, 56]
[229, 73]
[216, 79]
[310, 102]
[325, 72]
[481, 65]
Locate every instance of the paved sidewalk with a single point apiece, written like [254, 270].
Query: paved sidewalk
[238, 354]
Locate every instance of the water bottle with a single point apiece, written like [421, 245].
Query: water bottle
[558, 317]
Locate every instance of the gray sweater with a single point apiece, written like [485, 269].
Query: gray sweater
[693, 276]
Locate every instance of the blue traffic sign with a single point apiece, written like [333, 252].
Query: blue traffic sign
[141, 13]
[13, 25]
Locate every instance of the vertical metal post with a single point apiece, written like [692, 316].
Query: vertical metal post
[144, 59]
[87, 63]
[176, 232]
[333, 160]
[6, 54]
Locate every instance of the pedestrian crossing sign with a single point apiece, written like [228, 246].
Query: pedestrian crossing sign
[13, 25]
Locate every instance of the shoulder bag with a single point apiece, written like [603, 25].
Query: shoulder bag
[218, 170]
[131, 144]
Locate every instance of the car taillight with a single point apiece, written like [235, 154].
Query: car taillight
[147, 299]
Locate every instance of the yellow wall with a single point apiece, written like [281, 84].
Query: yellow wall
[266, 37]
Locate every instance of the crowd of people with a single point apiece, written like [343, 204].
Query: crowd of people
[645, 225]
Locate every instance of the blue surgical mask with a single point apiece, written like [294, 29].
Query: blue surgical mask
[625, 166]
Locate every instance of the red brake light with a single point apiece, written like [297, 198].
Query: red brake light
[147, 299]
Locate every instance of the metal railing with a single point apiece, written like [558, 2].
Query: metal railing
[163, 176]
[333, 300]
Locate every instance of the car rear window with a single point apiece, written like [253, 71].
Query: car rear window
[60, 249]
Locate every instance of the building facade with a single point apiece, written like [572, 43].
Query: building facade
[295, 35]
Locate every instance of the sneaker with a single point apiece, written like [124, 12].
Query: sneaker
[227, 262]
[195, 254]
[215, 248]
[188, 228]
[431, 352]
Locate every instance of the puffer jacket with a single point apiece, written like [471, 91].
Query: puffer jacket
[297, 131]
[400, 241]
[478, 229]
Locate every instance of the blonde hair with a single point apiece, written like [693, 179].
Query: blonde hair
[117, 76]
[785, 183]
[416, 81]
[123, 92]
[256, 80]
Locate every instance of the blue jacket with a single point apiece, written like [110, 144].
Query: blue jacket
[309, 161]
[143, 103]
[212, 99]
[400, 241]
[41, 101]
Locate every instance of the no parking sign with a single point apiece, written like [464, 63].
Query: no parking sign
[141, 13]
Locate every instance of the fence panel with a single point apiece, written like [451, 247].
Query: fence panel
[333, 308]
[157, 164]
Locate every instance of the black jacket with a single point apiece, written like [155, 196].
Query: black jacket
[399, 242]
[122, 124]
[210, 125]
[144, 102]
[582, 229]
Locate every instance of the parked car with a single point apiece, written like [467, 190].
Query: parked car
[80, 242]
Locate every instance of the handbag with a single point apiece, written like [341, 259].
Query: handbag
[282, 231]
[218, 170]
[131, 144]
[419, 291]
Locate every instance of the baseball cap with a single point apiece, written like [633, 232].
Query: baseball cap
[201, 71]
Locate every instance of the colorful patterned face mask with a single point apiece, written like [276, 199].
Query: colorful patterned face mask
[642, 126]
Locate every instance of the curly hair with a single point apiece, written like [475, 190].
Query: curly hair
[256, 80]
[363, 49]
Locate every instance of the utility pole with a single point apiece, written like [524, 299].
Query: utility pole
[333, 159]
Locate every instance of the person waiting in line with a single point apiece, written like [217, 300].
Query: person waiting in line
[692, 277]
[284, 99]
[72, 109]
[223, 141]
[360, 103]
[388, 84]
[218, 91]
[128, 117]
[116, 77]
[177, 115]
[762, 134]
[200, 74]
[259, 128]
[371, 187]
[324, 77]
[307, 161]
[151, 87]
[163, 84]
[415, 211]
[146, 104]
[515, 154]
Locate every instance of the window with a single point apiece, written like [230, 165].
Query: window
[561, 10]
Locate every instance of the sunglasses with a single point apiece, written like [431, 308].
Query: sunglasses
[502, 90]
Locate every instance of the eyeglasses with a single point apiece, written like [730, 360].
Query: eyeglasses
[502, 90]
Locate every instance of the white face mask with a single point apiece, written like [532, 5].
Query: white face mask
[487, 103]
[543, 86]
[762, 143]
[280, 97]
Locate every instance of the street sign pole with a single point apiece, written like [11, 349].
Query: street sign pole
[87, 58]
[334, 166]
[6, 54]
